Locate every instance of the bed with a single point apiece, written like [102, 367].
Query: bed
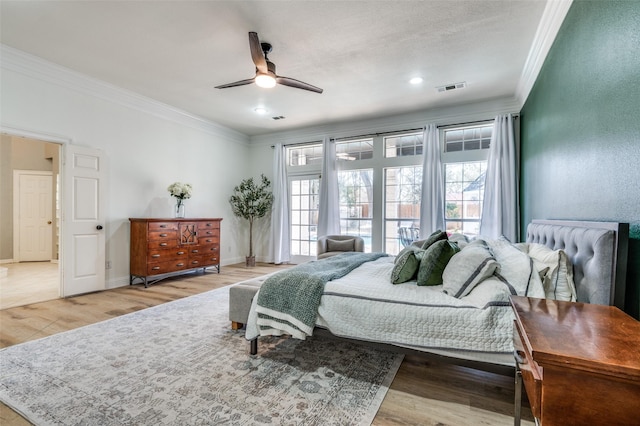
[474, 329]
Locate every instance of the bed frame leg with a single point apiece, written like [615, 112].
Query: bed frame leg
[254, 346]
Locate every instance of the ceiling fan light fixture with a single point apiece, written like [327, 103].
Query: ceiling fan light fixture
[265, 80]
[416, 80]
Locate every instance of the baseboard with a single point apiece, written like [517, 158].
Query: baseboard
[117, 282]
[6, 261]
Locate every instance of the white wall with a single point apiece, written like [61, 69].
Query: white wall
[147, 147]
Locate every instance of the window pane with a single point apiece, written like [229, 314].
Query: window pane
[464, 192]
[403, 145]
[356, 203]
[304, 155]
[304, 216]
[468, 139]
[403, 187]
[354, 150]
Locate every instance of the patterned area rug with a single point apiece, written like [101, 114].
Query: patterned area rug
[181, 364]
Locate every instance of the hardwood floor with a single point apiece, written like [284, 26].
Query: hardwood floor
[422, 393]
[28, 282]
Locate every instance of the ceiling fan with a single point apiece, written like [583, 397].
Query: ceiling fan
[266, 70]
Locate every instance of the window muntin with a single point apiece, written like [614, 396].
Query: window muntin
[467, 138]
[403, 145]
[354, 150]
[356, 204]
[304, 215]
[402, 186]
[304, 155]
[464, 194]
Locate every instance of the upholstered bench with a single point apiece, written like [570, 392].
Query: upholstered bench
[240, 298]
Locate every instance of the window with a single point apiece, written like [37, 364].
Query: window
[465, 166]
[305, 155]
[304, 215]
[354, 150]
[402, 187]
[468, 138]
[356, 204]
[403, 145]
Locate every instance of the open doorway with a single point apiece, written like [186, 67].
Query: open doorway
[29, 221]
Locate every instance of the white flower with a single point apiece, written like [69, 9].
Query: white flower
[180, 190]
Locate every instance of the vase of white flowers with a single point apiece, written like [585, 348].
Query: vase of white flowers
[181, 191]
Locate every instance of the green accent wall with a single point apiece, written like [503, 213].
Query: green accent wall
[580, 126]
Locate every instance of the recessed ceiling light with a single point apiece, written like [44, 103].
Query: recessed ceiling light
[416, 80]
[261, 110]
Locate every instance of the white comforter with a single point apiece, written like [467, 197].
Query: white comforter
[414, 316]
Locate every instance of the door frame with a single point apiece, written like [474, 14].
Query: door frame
[62, 141]
[16, 208]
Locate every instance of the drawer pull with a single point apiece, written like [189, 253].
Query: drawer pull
[180, 252]
[180, 264]
[194, 251]
[155, 255]
[209, 233]
[195, 262]
[155, 268]
[163, 244]
[209, 240]
[519, 356]
[163, 226]
[163, 235]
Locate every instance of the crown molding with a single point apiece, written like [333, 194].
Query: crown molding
[552, 18]
[35, 67]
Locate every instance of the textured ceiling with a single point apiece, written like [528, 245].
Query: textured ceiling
[362, 53]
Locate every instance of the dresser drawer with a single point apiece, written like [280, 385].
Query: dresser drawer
[209, 225]
[165, 267]
[204, 260]
[163, 235]
[156, 256]
[531, 372]
[162, 244]
[163, 226]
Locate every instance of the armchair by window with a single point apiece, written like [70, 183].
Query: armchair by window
[330, 245]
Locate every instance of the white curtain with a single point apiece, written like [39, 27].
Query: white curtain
[500, 212]
[279, 241]
[329, 209]
[432, 205]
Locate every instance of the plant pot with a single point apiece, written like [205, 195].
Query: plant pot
[250, 261]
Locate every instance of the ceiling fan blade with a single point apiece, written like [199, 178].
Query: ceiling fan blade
[235, 84]
[291, 82]
[257, 55]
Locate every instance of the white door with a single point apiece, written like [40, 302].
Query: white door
[83, 256]
[34, 215]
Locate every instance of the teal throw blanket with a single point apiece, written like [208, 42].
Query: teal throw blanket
[288, 301]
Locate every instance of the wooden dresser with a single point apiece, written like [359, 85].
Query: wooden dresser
[580, 363]
[169, 246]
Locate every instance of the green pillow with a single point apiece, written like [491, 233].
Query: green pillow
[434, 261]
[406, 266]
[434, 237]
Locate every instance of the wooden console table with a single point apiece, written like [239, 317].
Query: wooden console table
[580, 363]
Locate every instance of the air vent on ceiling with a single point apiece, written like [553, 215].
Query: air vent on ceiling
[452, 86]
[279, 117]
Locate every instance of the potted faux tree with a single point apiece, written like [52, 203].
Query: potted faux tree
[251, 201]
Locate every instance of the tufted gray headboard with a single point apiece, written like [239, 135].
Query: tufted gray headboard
[598, 251]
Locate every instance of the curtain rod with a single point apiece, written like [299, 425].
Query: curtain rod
[515, 117]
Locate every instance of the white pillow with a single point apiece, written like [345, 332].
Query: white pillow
[516, 269]
[467, 268]
[558, 280]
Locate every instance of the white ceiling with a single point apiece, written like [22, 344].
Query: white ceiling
[362, 53]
